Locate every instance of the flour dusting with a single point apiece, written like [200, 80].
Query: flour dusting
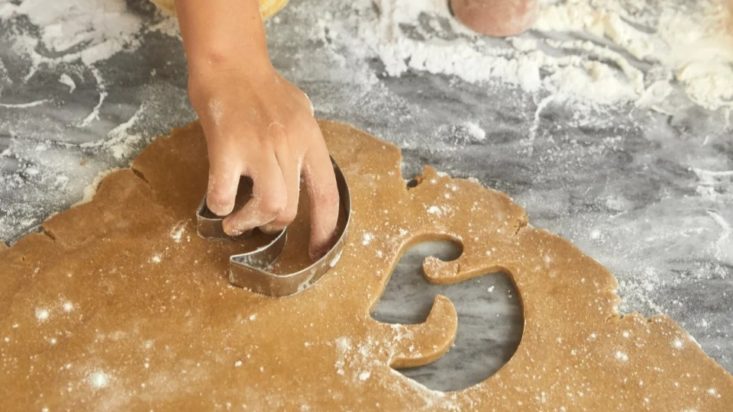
[598, 52]
[367, 238]
[177, 231]
[91, 30]
[67, 81]
[98, 379]
[42, 314]
[621, 356]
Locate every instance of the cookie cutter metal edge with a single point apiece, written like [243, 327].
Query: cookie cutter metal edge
[250, 270]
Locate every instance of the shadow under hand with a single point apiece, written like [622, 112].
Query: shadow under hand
[490, 319]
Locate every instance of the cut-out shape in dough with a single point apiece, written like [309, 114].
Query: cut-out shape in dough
[118, 305]
[489, 318]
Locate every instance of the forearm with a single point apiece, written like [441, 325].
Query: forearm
[223, 35]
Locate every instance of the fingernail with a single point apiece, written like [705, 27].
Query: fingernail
[317, 253]
[233, 231]
[270, 229]
[216, 208]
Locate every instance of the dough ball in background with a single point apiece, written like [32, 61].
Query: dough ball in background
[496, 18]
[168, 6]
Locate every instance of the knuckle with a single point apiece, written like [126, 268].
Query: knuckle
[328, 197]
[287, 216]
[218, 195]
[303, 122]
[272, 205]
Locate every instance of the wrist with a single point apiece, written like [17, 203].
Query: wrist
[217, 75]
[215, 61]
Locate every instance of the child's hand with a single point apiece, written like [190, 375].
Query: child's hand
[262, 126]
[256, 124]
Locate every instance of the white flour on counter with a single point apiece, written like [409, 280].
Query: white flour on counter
[601, 52]
[90, 30]
[44, 168]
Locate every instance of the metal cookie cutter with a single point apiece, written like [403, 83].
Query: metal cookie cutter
[251, 270]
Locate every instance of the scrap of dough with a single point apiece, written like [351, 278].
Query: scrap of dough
[499, 18]
[118, 304]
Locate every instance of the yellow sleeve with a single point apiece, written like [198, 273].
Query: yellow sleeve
[268, 8]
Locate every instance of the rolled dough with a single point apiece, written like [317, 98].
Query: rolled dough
[118, 304]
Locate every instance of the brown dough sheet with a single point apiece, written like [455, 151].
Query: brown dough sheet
[118, 304]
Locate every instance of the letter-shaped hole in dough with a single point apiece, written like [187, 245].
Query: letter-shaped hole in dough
[489, 310]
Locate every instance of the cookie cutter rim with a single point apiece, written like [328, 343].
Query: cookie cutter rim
[250, 270]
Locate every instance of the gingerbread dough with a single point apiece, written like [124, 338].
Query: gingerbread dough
[118, 304]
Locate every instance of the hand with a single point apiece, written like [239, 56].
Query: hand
[258, 124]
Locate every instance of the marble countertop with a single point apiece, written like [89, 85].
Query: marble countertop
[646, 193]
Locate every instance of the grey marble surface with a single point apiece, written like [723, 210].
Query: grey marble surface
[649, 195]
[489, 318]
